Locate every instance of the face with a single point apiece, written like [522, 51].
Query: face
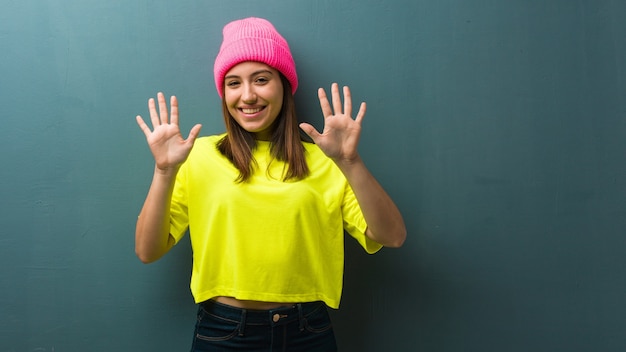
[253, 93]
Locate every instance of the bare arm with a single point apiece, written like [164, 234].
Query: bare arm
[152, 233]
[339, 142]
[170, 150]
[385, 224]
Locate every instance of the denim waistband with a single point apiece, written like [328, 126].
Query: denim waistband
[272, 317]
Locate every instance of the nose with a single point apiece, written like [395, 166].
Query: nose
[248, 95]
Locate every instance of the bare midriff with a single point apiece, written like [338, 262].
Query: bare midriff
[254, 305]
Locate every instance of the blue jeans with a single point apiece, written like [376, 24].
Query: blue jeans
[302, 327]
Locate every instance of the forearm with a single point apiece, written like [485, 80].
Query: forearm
[152, 234]
[385, 224]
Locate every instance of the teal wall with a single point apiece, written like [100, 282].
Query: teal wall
[498, 126]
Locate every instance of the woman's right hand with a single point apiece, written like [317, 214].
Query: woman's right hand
[166, 143]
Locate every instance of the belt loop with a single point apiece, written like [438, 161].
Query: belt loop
[300, 316]
[242, 322]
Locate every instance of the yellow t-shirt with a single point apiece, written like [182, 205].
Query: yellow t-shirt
[265, 239]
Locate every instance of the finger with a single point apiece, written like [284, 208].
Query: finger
[143, 126]
[309, 130]
[361, 113]
[347, 101]
[324, 104]
[162, 108]
[336, 99]
[174, 110]
[154, 117]
[193, 134]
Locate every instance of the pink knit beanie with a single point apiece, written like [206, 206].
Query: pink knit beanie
[253, 39]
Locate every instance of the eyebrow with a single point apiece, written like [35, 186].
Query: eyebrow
[253, 73]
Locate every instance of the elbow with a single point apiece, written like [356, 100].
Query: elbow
[398, 239]
[150, 248]
[146, 257]
[149, 252]
[397, 235]
[145, 260]
[392, 238]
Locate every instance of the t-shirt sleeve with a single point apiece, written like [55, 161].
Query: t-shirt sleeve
[179, 216]
[354, 222]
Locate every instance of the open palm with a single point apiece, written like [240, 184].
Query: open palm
[340, 137]
[166, 143]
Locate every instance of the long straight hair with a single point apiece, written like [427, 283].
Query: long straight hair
[285, 141]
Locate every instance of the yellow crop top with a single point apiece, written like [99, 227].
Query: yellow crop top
[265, 239]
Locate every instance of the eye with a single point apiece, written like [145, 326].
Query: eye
[232, 84]
[261, 80]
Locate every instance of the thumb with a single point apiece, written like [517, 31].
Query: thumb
[309, 130]
[193, 134]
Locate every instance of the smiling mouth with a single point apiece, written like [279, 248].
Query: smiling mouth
[251, 111]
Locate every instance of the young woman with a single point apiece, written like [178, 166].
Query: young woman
[266, 211]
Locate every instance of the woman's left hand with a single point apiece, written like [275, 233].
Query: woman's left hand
[340, 137]
[339, 142]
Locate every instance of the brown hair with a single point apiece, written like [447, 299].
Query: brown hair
[285, 141]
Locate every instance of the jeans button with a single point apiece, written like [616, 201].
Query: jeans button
[276, 318]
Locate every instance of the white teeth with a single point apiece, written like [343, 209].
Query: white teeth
[250, 111]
